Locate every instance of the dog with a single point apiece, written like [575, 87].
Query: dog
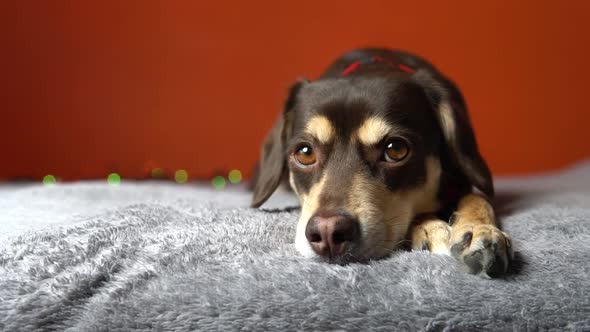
[382, 156]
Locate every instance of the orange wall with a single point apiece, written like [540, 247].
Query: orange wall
[94, 87]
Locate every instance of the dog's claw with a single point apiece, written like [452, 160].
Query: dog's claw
[458, 247]
[483, 249]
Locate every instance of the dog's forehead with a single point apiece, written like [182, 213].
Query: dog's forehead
[342, 107]
[349, 96]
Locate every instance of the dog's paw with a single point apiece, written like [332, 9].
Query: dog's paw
[483, 249]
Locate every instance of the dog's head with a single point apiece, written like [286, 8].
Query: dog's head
[364, 156]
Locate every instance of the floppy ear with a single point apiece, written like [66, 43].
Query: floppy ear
[457, 131]
[272, 165]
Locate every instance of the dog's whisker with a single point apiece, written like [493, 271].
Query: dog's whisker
[398, 243]
[395, 246]
[307, 204]
[398, 224]
[388, 250]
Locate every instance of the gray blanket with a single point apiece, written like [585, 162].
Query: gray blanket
[162, 257]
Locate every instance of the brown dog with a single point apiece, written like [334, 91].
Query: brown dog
[380, 150]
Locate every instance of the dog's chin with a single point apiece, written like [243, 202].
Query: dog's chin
[345, 259]
[350, 256]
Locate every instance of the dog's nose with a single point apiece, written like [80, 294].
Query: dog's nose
[330, 235]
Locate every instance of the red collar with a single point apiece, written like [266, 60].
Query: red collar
[374, 59]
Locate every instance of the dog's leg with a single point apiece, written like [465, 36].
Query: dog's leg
[476, 240]
[473, 237]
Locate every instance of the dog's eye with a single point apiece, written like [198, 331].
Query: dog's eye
[305, 155]
[396, 150]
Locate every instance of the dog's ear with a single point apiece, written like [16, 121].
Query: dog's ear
[456, 128]
[272, 165]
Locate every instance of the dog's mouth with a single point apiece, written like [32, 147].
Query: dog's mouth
[358, 256]
[350, 255]
[344, 260]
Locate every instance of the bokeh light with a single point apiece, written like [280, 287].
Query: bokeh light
[218, 182]
[157, 173]
[235, 176]
[114, 179]
[181, 176]
[49, 180]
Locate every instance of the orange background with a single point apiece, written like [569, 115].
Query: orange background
[93, 87]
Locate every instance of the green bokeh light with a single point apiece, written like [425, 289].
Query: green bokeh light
[157, 173]
[114, 179]
[235, 176]
[218, 182]
[181, 176]
[49, 180]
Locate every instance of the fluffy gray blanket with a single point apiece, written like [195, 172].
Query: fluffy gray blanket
[156, 256]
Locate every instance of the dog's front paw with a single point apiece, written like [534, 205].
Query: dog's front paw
[483, 249]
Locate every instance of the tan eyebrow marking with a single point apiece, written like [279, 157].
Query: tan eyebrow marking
[321, 128]
[373, 131]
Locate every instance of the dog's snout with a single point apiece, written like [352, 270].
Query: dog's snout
[330, 235]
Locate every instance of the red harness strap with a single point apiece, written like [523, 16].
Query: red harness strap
[374, 59]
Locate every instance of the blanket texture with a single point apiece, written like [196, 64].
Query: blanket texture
[162, 257]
